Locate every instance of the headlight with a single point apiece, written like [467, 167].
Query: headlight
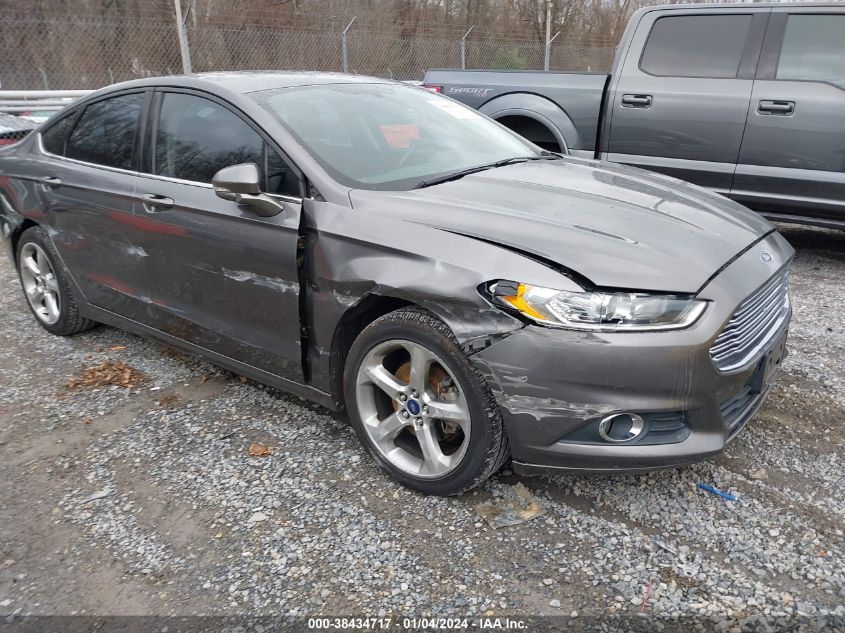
[601, 311]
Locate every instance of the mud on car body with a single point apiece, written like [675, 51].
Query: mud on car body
[467, 297]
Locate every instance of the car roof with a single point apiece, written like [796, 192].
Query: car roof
[245, 82]
[254, 81]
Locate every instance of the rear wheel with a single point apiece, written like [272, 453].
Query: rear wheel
[46, 286]
[422, 410]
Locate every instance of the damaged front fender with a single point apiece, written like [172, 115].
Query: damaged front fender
[354, 259]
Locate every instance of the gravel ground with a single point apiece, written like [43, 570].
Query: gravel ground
[146, 500]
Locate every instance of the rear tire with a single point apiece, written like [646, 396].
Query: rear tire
[422, 410]
[46, 285]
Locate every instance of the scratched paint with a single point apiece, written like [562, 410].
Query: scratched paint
[273, 283]
[543, 408]
[136, 251]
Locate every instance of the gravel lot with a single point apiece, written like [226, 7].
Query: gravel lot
[146, 500]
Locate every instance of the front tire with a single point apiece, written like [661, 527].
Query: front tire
[46, 285]
[422, 410]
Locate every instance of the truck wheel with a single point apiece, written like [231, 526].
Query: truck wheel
[421, 409]
[46, 286]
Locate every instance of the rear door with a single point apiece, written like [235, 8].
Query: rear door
[680, 99]
[87, 185]
[793, 155]
[216, 274]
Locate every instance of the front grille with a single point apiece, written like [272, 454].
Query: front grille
[753, 324]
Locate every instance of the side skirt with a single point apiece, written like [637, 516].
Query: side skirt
[259, 375]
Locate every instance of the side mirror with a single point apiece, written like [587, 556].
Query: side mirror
[242, 184]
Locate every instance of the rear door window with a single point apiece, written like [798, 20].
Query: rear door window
[105, 133]
[696, 46]
[813, 49]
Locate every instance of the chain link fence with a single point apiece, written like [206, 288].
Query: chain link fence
[77, 53]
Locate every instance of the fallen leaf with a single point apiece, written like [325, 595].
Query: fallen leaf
[259, 450]
[204, 379]
[243, 378]
[118, 348]
[511, 510]
[107, 373]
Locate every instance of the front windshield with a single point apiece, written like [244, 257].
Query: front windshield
[389, 136]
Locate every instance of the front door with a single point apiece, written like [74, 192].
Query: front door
[793, 155]
[218, 275]
[680, 107]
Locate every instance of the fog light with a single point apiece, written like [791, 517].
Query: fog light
[621, 427]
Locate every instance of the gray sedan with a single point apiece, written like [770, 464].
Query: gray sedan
[467, 297]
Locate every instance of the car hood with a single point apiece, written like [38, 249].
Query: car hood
[618, 226]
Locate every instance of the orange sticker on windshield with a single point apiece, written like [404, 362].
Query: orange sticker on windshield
[400, 136]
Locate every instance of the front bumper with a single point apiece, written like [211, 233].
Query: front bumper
[552, 384]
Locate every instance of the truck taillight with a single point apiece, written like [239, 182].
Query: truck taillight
[433, 88]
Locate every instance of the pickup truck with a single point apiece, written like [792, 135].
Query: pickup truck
[747, 100]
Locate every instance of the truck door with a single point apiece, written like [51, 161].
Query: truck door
[679, 101]
[792, 160]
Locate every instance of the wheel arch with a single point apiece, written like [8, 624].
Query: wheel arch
[540, 110]
[351, 324]
[15, 237]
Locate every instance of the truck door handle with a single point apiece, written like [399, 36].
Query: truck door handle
[51, 181]
[636, 101]
[154, 202]
[782, 108]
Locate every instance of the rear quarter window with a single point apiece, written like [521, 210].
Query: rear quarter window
[696, 46]
[54, 137]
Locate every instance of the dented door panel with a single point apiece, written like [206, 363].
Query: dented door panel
[220, 277]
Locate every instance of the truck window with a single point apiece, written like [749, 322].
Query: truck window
[696, 46]
[813, 49]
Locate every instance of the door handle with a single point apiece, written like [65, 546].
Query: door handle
[636, 101]
[51, 181]
[782, 108]
[154, 202]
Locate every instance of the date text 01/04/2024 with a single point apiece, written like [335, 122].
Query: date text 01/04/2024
[413, 624]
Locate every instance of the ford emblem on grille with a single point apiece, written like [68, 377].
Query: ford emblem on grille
[766, 257]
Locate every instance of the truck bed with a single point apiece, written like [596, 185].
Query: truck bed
[571, 101]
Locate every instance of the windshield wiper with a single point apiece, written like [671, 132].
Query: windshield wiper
[456, 175]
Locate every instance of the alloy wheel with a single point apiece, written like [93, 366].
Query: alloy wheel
[40, 284]
[413, 409]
